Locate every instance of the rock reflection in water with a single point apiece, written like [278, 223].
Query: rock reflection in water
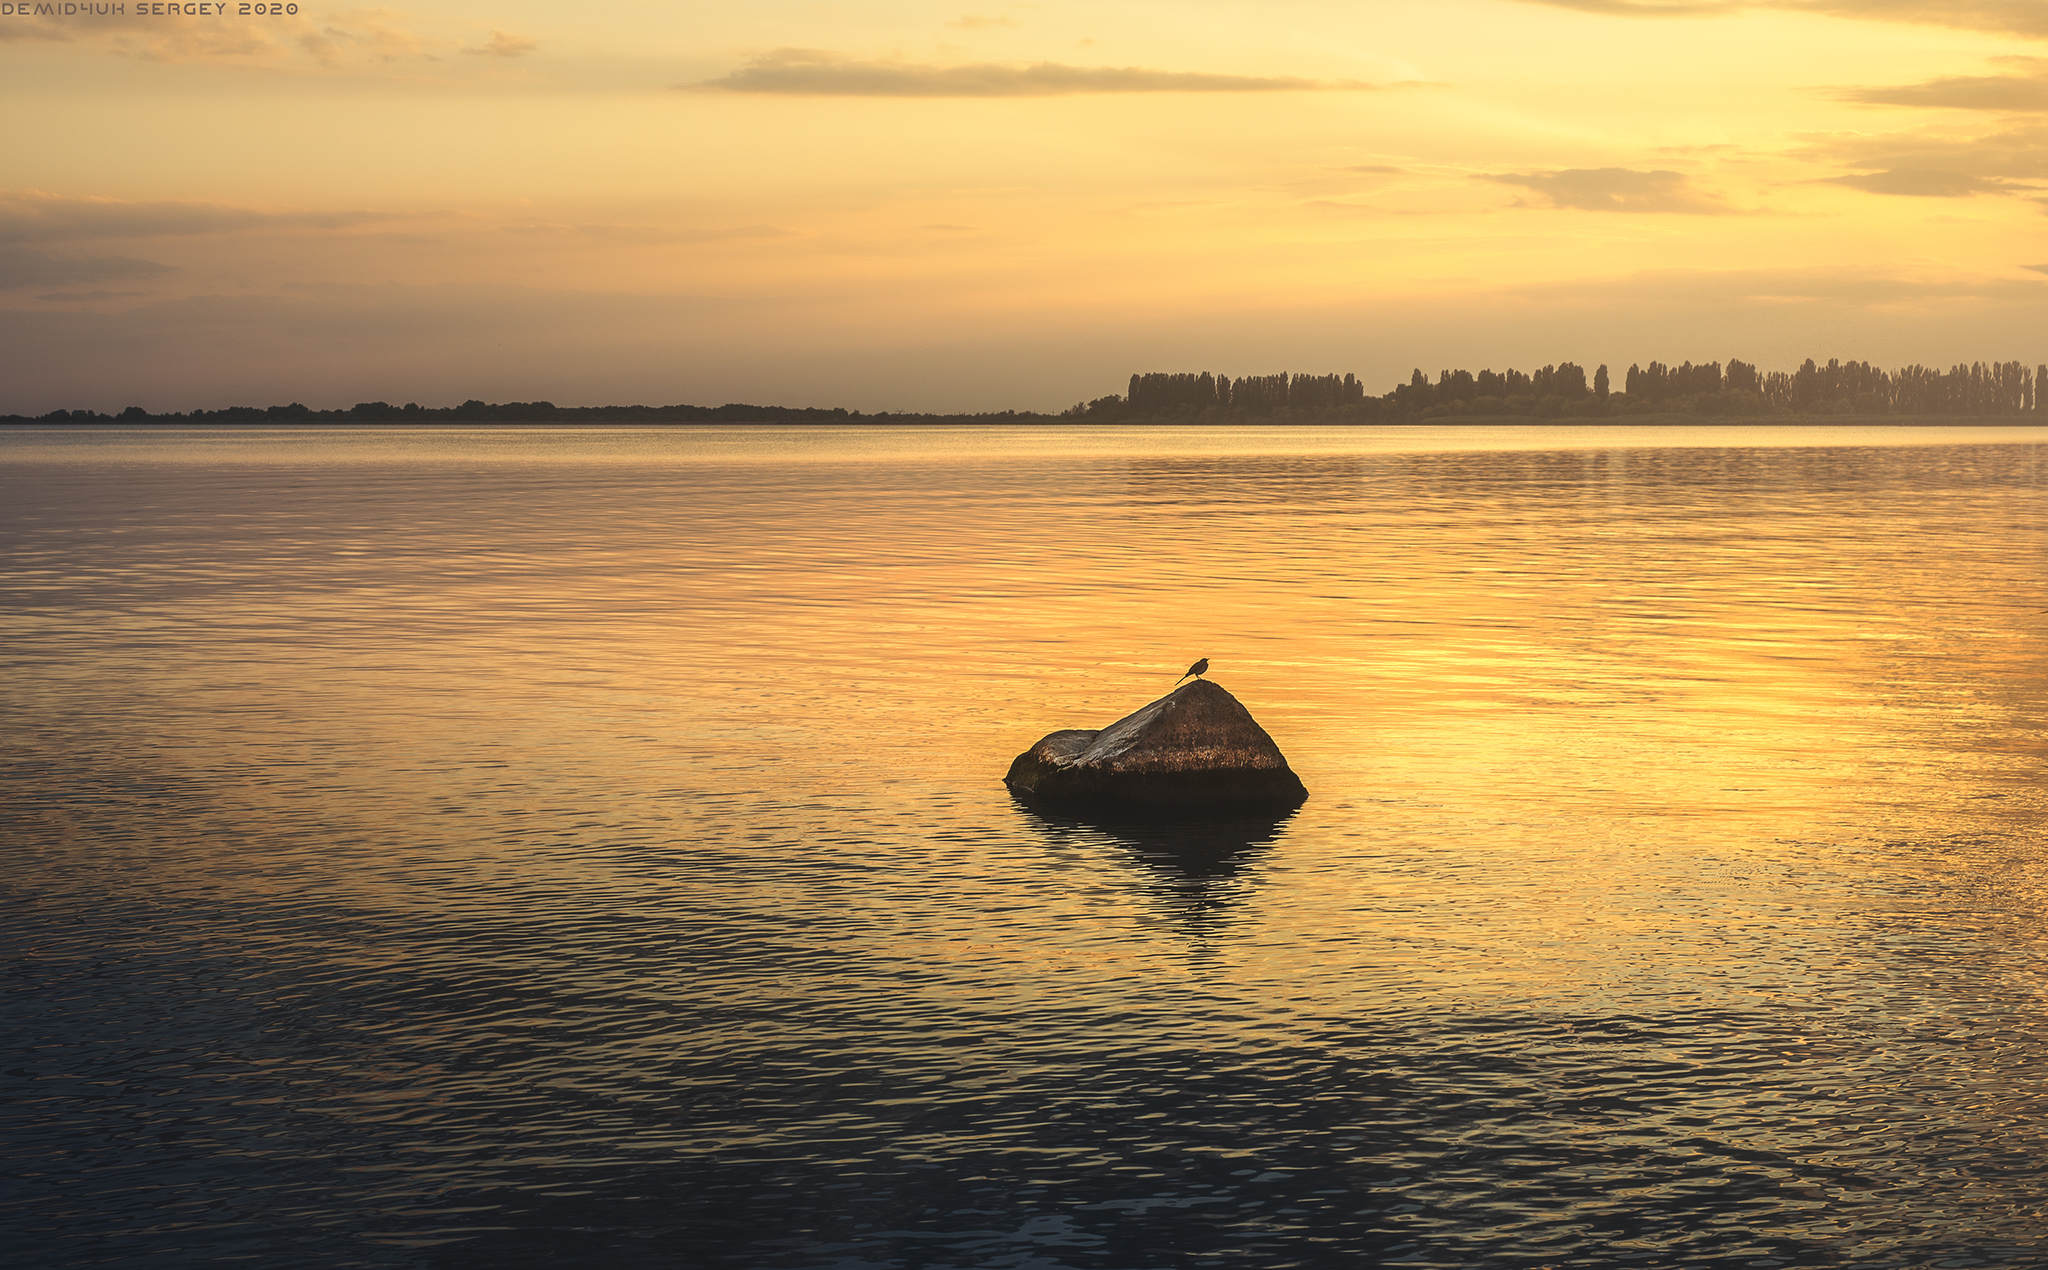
[1186, 861]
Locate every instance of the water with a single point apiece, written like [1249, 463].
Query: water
[526, 847]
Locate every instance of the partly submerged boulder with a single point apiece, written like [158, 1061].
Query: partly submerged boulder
[1195, 747]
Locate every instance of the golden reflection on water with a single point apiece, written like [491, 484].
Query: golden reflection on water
[1714, 757]
[1531, 688]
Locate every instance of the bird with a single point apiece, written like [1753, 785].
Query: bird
[1197, 670]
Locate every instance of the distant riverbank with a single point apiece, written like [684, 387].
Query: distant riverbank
[480, 414]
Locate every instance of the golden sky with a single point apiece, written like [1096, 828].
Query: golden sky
[930, 206]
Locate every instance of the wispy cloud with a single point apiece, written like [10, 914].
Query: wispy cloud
[1999, 155]
[648, 235]
[30, 28]
[28, 267]
[28, 216]
[128, 34]
[1921, 183]
[1615, 190]
[2021, 17]
[383, 35]
[818, 73]
[503, 45]
[1642, 8]
[86, 297]
[2025, 92]
[339, 38]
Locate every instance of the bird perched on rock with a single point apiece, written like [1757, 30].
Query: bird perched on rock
[1197, 670]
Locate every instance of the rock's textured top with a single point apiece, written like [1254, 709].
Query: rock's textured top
[1194, 747]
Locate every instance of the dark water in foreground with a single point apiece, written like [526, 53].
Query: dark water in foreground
[520, 848]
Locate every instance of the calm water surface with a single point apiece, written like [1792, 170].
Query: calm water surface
[525, 847]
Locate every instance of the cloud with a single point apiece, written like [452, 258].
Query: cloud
[87, 296]
[18, 31]
[818, 73]
[2036, 268]
[2026, 92]
[2003, 154]
[340, 37]
[374, 33]
[28, 216]
[2018, 17]
[648, 234]
[1615, 190]
[228, 39]
[1642, 8]
[1920, 183]
[502, 45]
[28, 267]
[136, 35]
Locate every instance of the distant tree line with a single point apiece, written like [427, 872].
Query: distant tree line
[1564, 383]
[1563, 391]
[1257, 394]
[1553, 390]
[1980, 389]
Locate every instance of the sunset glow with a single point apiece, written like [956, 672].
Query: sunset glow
[906, 206]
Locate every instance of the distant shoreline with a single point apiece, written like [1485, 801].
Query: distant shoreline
[342, 419]
[1848, 393]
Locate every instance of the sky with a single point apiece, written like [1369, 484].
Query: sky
[988, 206]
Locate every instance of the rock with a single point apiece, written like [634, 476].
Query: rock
[1195, 747]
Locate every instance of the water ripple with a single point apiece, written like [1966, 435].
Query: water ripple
[517, 848]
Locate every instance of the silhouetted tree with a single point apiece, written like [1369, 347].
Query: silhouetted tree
[1159, 394]
[1312, 392]
[1567, 380]
[1259, 394]
[1101, 410]
[1415, 395]
[1456, 385]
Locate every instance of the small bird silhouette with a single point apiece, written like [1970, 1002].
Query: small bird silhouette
[1197, 670]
